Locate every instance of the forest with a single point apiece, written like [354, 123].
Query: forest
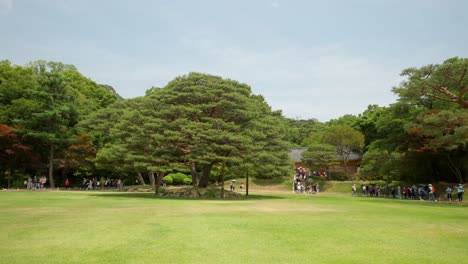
[57, 123]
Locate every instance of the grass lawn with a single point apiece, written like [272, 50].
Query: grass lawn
[93, 227]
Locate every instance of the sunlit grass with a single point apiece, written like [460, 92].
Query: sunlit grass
[88, 227]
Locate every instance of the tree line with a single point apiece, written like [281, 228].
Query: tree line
[56, 122]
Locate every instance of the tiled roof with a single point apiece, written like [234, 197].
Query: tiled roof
[295, 154]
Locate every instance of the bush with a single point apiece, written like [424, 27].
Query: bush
[339, 176]
[178, 178]
[168, 179]
[187, 181]
[17, 183]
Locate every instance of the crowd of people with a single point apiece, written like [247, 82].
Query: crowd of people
[303, 184]
[94, 184]
[421, 192]
[35, 183]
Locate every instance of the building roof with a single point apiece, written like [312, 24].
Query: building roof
[295, 154]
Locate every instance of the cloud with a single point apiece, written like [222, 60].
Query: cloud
[322, 82]
[6, 7]
[275, 4]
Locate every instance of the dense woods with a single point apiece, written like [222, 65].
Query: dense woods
[55, 122]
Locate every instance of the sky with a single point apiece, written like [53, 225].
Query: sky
[309, 59]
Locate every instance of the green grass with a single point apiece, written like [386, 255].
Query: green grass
[93, 227]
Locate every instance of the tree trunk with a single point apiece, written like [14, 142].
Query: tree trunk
[247, 184]
[194, 174]
[140, 178]
[151, 178]
[205, 177]
[51, 166]
[454, 168]
[9, 175]
[222, 180]
[159, 177]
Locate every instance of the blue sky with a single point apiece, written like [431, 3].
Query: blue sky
[310, 59]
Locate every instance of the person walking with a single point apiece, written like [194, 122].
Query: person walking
[460, 192]
[353, 189]
[431, 190]
[449, 193]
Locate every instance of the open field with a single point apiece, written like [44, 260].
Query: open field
[94, 227]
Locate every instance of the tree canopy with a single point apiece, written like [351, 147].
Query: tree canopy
[55, 121]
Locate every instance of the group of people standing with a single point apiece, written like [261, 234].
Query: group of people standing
[35, 183]
[460, 190]
[411, 192]
[93, 184]
[302, 184]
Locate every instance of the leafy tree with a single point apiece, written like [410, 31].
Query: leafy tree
[346, 120]
[443, 133]
[14, 153]
[436, 84]
[79, 155]
[345, 139]
[367, 124]
[378, 164]
[437, 96]
[319, 154]
[18, 87]
[45, 101]
[298, 130]
[204, 117]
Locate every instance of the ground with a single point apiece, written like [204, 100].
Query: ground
[113, 227]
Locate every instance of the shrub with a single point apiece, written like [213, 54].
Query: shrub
[178, 178]
[17, 183]
[339, 176]
[187, 181]
[168, 179]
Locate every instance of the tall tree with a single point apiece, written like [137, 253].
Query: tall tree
[436, 83]
[378, 164]
[44, 102]
[438, 95]
[444, 134]
[204, 116]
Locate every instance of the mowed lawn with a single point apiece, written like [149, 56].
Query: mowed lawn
[93, 227]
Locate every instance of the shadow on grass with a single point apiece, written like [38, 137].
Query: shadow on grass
[250, 197]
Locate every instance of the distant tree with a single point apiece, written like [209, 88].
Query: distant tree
[15, 155]
[379, 164]
[319, 154]
[346, 120]
[345, 139]
[298, 130]
[366, 123]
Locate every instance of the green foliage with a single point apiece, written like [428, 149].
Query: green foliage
[318, 155]
[436, 86]
[187, 181]
[178, 178]
[44, 101]
[298, 130]
[338, 176]
[168, 179]
[346, 120]
[345, 139]
[378, 164]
